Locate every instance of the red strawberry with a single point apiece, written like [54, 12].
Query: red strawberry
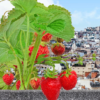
[35, 34]
[62, 73]
[41, 50]
[47, 37]
[22, 63]
[18, 84]
[68, 82]
[8, 78]
[15, 66]
[73, 72]
[35, 83]
[58, 49]
[42, 78]
[43, 32]
[51, 88]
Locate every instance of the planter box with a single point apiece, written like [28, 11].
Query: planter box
[38, 95]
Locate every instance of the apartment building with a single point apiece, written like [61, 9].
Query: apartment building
[82, 70]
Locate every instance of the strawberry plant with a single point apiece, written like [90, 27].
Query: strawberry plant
[24, 36]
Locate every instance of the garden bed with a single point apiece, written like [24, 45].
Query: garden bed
[38, 95]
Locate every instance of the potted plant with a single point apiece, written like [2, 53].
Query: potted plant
[24, 36]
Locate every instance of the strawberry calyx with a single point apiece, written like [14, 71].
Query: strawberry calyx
[50, 73]
[67, 72]
[57, 44]
[35, 78]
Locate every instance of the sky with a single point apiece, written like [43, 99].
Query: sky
[84, 13]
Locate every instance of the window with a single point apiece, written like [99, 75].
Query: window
[92, 65]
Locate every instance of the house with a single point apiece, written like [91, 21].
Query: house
[82, 70]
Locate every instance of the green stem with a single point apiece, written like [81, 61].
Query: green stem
[21, 42]
[20, 73]
[33, 56]
[26, 47]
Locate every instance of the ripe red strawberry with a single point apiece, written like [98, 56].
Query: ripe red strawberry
[73, 72]
[35, 83]
[18, 84]
[8, 78]
[41, 50]
[58, 49]
[47, 37]
[68, 81]
[51, 88]
[42, 78]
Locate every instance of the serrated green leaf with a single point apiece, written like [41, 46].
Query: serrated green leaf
[4, 27]
[5, 56]
[14, 26]
[68, 32]
[56, 26]
[24, 5]
[19, 53]
[13, 39]
[14, 14]
[41, 56]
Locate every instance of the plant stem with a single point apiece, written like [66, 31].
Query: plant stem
[33, 56]
[26, 48]
[20, 73]
[21, 42]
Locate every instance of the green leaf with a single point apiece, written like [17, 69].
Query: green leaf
[14, 26]
[56, 26]
[19, 53]
[40, 58]
[24, 5]
[14, 14]
[24, 28]
[61, 13]
[5, 56]
[14, 38]
[4, 27]
[2, 84]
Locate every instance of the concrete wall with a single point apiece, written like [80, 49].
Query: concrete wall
[38, 95]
